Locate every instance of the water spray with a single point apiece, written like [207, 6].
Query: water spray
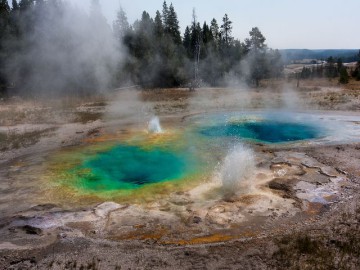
[154, 126]
[236, 170]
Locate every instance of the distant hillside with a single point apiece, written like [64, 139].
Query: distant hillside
[290, 55]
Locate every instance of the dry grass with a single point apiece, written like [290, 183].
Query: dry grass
[334, 247]
[175, 94]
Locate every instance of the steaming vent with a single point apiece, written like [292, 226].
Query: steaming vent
[154, 125]
[237, 169]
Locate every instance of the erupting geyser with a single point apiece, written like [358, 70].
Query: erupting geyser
[154, 125]
[237, 168]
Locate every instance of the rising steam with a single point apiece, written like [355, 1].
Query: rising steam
[64, 51]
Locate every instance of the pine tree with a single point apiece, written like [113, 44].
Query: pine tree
[4, 16]
[206, 34]
[256, 48]
[173, 27]
[196, 37]
[339, 65]
[146, 24]
[165, 16]
[256, 41]
[25, 4]
[319, 71]
[358, 67]
[344, 76]
[331, 70]
[4, 7]
[15, 5]
[187, 41]
[4, 31]
[214, 28]
[226, 29]
[121, 26]
[158, 25]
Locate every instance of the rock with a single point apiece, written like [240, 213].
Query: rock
[311, 163]
[196, 219]
[218, 209]
[105, 208]
[43, 207]
[212, 218]
[341, 171]
[315, 176]
[284, 169]
[283, 184]
[180, 201]
[279, 186]
[31, 230]
[302, 185]
[328, 171]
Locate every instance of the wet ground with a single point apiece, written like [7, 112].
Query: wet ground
[191, 224]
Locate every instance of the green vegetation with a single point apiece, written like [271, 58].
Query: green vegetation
[344, 76]
[332, 68]
[49, 48]
[293, 56]
[206, 54]
[356, 72]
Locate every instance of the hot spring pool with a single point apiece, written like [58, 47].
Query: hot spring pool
[264, 131]
[129, 167]
[145, 165]
[142, 168]
[258, 128]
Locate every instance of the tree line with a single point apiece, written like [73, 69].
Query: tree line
[45, 46]
[333, 68]
[206, 54]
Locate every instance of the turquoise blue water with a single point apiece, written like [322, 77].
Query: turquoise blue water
[265, 131]
[130, 167]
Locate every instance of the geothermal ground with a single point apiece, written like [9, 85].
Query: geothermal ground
[248, 205]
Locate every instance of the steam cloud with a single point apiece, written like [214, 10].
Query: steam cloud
[65, 51]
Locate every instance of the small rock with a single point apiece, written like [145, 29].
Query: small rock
[31, 230]
[341, 171]
[180, 201]
[187, 253]
[43, 207]
[197, 219]
[218, 209]
[105, 208]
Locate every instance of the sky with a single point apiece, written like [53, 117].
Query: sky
[286, 24]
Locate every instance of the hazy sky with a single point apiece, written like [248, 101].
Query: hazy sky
[295, 24]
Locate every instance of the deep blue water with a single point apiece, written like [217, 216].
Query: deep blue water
[266, 131]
